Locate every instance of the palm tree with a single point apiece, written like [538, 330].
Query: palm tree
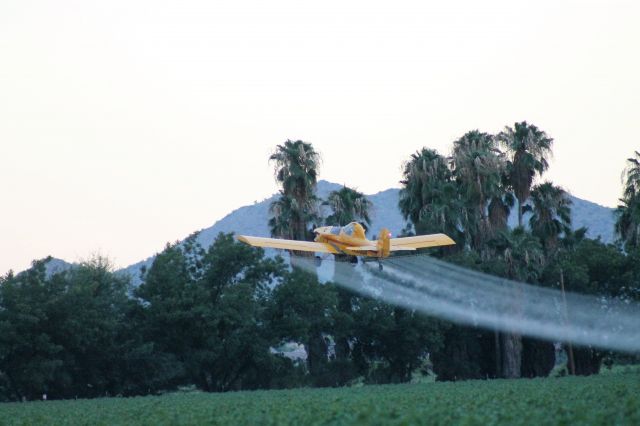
[280, 220]
[628, 211]
[528, 148]
[296, 169]
[429, 197]
[522, 255]
[499, 210]
[631, 176]
[551, 214]
[478, 168]
[348, 205]
[627, 224]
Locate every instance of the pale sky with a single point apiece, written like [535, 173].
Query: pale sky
[127, 124]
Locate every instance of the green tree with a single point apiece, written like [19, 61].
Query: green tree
[69, 334]
[592, 267]
[169, 299]
[551, 214]
[521, 256]
[390, 343]
[628, 211]
[205, 311]
[30, 359]
[466, 354]
[499, 210]
[235, 286]
[348, 205]
[528, 149]
[281, 213]
[302, 310]
[296, 169]
[478, 168]
[429, 197]
[91, 310]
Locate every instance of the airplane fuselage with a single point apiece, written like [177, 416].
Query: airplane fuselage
[341, 239]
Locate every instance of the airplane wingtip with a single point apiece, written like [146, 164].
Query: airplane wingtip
[448, 240]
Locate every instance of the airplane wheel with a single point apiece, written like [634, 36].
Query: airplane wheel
[318, 261]
[354, 260]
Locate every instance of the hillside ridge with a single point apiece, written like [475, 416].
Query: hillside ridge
[252, 220]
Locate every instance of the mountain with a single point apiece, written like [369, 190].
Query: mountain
[599, 220]
[252, 220]
[54, 265]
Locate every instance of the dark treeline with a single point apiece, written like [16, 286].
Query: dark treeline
[218, 318]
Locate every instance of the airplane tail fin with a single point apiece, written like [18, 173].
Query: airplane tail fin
[384, 243]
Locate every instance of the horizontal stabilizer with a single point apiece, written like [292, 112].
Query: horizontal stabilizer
[362, 248]
[375, 248]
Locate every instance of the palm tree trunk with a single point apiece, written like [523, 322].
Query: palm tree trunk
[512, 356]
[316, 354]
[570, 360]
[498, 349]
[520, 219]
[344, 269]
[512, 341]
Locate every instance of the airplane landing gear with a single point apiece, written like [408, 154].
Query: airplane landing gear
[353, 260]
[380, 268]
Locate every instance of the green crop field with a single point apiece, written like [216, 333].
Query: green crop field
[606, 399]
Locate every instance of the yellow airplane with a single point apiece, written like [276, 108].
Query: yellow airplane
[351, 240]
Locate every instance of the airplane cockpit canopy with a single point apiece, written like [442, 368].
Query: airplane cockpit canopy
[348, 229]
[354, 229]
[335, 230]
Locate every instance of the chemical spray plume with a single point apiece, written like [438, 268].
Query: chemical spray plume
[450, 292]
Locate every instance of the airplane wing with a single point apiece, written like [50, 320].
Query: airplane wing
[375, 248]
[287, 244]
[420, 241]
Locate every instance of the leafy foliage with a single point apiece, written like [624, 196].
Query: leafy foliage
[551, 214]
[348, 205]
[65, 335]
[478, 167]
[429, 197]
[204, 311]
